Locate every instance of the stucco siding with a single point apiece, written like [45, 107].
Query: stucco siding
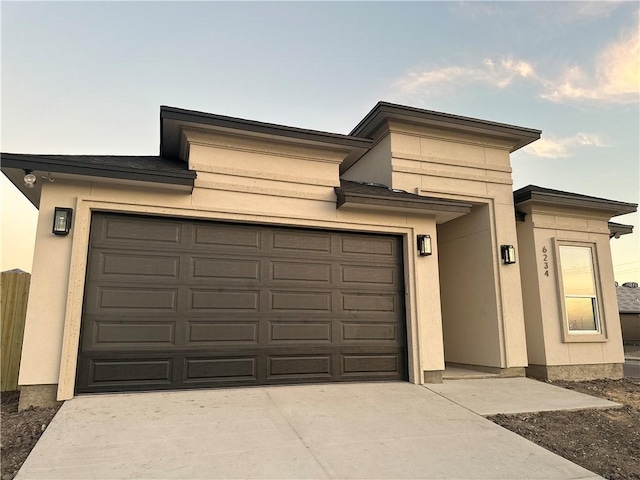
[530, 278]
[374, 166]
[480, 296]
[47, 304]
[546, 226]
[53, 322]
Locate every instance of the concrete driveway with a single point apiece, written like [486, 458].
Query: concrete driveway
[365, 430]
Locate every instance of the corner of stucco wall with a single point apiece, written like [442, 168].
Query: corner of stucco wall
[44, 325]
[529, 280]
[374, 166]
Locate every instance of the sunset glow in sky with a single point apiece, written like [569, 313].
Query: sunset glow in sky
[89, 78]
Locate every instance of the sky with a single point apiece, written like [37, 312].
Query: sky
[89, 78]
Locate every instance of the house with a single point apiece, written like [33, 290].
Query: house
[251, 253]
[629, 308]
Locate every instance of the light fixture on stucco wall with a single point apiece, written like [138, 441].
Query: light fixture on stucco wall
[424, 245]
[508, 254]
[62, 221]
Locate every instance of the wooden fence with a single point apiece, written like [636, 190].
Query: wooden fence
[14, 286]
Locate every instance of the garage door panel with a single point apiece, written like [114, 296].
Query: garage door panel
[368, 246]
[120, 230]
[227, 304]
[123, 299]
[296, 302]
[113, 372]
[355, 275]
[228, 238]
[135, 266]
[213, 334]
[220, 370]
[299, 367]
[133, 334]
[297, 242]
[224, 300]
[371, 364]
[299, 332]
[365, 332]
[206, 269]
[294, 272]
[355, 302]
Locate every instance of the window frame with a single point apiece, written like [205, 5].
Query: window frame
[569, 336]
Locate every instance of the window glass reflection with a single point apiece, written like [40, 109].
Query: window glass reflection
[581, 313]
[577, 271]
[579, 289]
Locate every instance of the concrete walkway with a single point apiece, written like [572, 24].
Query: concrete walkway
[365, 430]
[491, 396]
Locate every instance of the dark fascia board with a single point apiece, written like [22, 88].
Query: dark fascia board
[171, 118]
[619, 229]
[66, 164]
[533, 193]
[519, 136]
[347, 197]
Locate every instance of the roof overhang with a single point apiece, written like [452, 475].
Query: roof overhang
[618, 229]
[174, 120]
[137, 170]
[518, 137]
[539, 195]
[380, 197]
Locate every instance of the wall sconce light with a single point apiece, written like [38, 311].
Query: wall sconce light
[62, 221]
[29, 179]
[508, 254]
[424, 245]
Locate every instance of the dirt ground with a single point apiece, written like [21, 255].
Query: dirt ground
[19, 433]
[606, 442]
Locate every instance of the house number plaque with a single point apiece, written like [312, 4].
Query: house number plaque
[545, 261]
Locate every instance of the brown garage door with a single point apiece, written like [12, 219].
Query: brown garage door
[175, 303]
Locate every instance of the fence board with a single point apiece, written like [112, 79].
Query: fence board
[14, 287]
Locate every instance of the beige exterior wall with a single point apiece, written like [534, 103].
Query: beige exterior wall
[469, 303]
[547, 343]
[375, 166]
[483, 320]
[462, 304]
[254, 187]
[40, 363]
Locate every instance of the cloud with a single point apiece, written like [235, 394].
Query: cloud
[558, 13]
[498, 74]
[614, 77]
[551, 147]
[598, 9]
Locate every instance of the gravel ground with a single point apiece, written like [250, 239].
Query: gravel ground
[20, 432]
[606, 442]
